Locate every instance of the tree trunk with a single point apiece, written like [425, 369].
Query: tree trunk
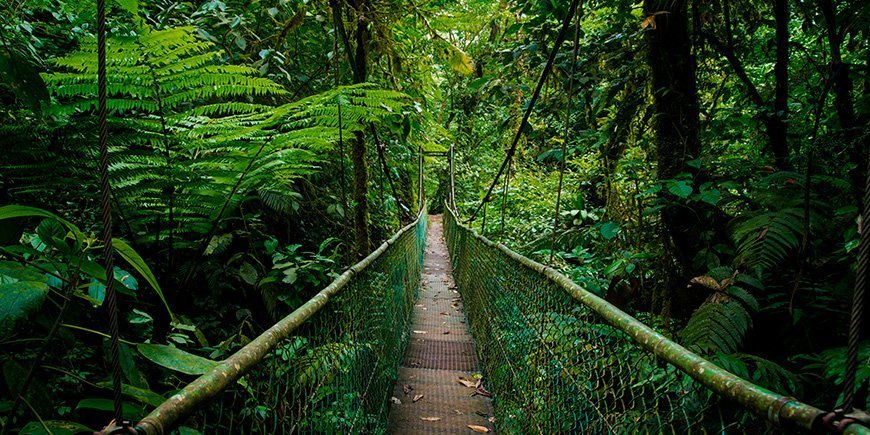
[676, 122]
[357, 60]
[778, 128]
[842, 87]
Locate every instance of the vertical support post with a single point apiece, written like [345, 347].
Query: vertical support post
[507, 181]
[483, 224]
[452, 192]
[421, 192]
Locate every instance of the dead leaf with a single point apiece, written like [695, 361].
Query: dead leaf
[395, 400]
[467, 383]
[478, 429]
[446, 332]
[480, 391]
[407, 389]
[417, 398]
[420, 332]
[650, 21]
[445, 313]
[458, 412]
[707, 281]
[491, 419]
[430, 418]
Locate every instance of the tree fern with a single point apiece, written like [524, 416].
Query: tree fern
[187, 130]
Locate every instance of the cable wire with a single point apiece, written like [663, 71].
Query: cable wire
[106, 210]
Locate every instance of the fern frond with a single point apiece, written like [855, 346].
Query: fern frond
[767, 239]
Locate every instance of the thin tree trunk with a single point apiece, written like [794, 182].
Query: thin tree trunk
[358, 145]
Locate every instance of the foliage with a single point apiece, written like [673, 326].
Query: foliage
[231, 184]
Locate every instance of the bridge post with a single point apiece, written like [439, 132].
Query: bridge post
[452, 191]
[420, 192]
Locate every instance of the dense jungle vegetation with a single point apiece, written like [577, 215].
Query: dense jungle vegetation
[714, 153]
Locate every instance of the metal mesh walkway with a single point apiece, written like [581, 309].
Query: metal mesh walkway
[440, 354]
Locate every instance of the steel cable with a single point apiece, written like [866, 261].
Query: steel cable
[106, 210]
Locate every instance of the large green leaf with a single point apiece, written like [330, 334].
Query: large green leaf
[143, 395]
[460, 61]
[176, 359]
[17, 299]
[15, 211]
[130, 411]
[610, 230]
[135, 260]
[55, 427]
[129, 368]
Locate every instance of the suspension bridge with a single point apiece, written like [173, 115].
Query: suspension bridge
[441, 330]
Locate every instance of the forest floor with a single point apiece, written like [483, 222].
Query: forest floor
[438, 388]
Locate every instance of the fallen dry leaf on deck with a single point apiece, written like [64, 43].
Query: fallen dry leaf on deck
[467, 383]
[420, 332]
[395, 400]
[478, 429]
[417, 398]
[480, 391]
[430, 418]
[407, 389]
[446, 332]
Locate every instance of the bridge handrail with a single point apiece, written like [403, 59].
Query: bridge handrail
[206, 387]
[775, 408]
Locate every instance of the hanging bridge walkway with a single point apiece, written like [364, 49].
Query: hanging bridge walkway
[437, 389]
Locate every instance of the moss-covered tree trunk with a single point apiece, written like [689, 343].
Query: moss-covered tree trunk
[358, 61]
[676, 127]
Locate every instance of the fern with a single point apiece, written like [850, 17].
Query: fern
[717, 326]
[760, 371]
[721, 323]
[767, 239]
[192, 137]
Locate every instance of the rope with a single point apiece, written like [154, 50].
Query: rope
[106, 209]
[858, 303]
[563, 163]
[547, 68]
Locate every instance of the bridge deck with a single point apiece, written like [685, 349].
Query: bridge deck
[440, 354]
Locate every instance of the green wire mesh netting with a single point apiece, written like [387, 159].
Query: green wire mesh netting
[560, 360]
[331, 373]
